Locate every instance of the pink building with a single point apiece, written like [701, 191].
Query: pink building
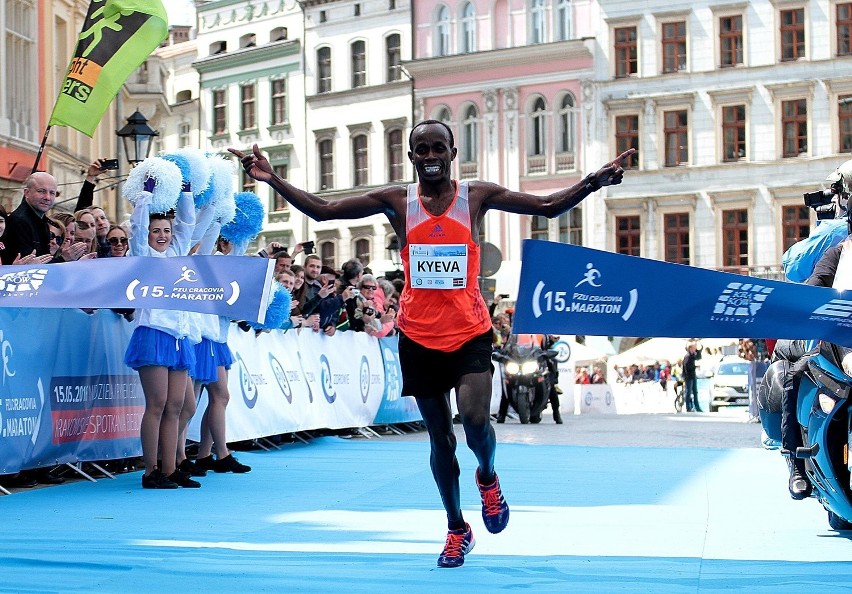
[506, 77]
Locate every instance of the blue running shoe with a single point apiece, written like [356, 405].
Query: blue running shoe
[459, 543]
[495, 510]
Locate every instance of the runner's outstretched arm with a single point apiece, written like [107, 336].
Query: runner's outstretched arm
[355, 207]
[500, 198]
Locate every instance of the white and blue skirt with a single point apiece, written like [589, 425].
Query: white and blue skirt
[149, 346]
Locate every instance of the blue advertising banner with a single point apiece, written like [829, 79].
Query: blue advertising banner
[567, 289]
[66, 394]
[395, 407]
[236, 287]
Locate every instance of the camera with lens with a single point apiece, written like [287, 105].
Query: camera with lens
[369, 311]
[822, 201]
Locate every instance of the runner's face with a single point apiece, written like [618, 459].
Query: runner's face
[431, 152]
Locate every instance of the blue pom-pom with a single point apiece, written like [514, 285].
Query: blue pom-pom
[248, 221]
[278, 310]
[181, 162]
[204, 197]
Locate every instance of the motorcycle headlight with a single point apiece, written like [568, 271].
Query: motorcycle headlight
[826, 403]
[512, 368]
[529, 367]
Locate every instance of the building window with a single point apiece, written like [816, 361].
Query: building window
[626, 138]
[248, 121]
[794, 127]
[627, 235]
[795, 224]
[323, 16]
[537, 147]
[470, 136]
[324, 70]
[220, 112]
[538, 227]
[844, 29]
[626, 52]
[733, 133]
[393, 56]
[844, 124]
[248, 182]
[395, 156]
[571, 226]
[183, 134]
[326, 161]
[676, 134]
[326, 252]
[734, 238]
[563, 20]
[730, 41]
[537, 30]
[567, 134]
[357, 11]
[674, 47]
[248, 40]
[468, 28]
[279, 101]
[362, 250]
[278, 34]
[792, 34]
[279, 203]
[183, 96]
[444, 115]
[360, 160]
[676, 233]
[442, 32]
[218, 47]
[359, 64]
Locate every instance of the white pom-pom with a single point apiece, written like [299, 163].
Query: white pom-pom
[166, 191]
[223, 170]
[199, 168]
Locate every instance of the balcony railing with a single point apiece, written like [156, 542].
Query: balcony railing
[564, 162]
[469, 170]
[536, 164]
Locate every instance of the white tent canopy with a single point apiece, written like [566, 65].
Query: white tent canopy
[663, 349]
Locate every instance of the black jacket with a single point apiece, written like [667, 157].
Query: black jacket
[25, 231]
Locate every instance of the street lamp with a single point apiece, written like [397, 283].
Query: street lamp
[137, 136]
[394, 249]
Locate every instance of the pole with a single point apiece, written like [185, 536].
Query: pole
[41, 149]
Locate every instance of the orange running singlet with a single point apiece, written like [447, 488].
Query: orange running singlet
[441, 307]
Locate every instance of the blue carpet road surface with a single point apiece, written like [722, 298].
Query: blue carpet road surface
[349, 516]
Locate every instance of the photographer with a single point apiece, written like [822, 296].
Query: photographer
[364, 309]
[833, 268]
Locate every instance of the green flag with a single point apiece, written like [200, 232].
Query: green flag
[116, 38]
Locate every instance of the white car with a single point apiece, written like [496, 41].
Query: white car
[729, 383]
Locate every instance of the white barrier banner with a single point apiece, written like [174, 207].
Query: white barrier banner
[297, 381]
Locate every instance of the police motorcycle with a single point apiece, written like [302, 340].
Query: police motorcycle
[823, 410]
[527, 380]
[825, 417]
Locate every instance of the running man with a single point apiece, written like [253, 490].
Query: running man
[445, 327]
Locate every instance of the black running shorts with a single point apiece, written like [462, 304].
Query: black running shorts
[428, 373]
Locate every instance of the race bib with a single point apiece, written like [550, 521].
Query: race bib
[437, 266]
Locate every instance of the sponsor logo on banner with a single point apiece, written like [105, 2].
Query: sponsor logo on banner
[309, 377]
[585, 298]
[563, 351]
[23, 283]
[393, 379]
[20, 414]
[364, 378]
[740, 302]
[281, 378]
[836, 310]
[182, 288]
[248, 387]
[326, 380]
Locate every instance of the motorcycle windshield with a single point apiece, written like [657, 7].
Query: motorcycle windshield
[524, 351]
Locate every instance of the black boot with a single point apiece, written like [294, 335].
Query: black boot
[554, 404]
[799, 485]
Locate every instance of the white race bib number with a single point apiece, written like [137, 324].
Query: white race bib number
[437, 266]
